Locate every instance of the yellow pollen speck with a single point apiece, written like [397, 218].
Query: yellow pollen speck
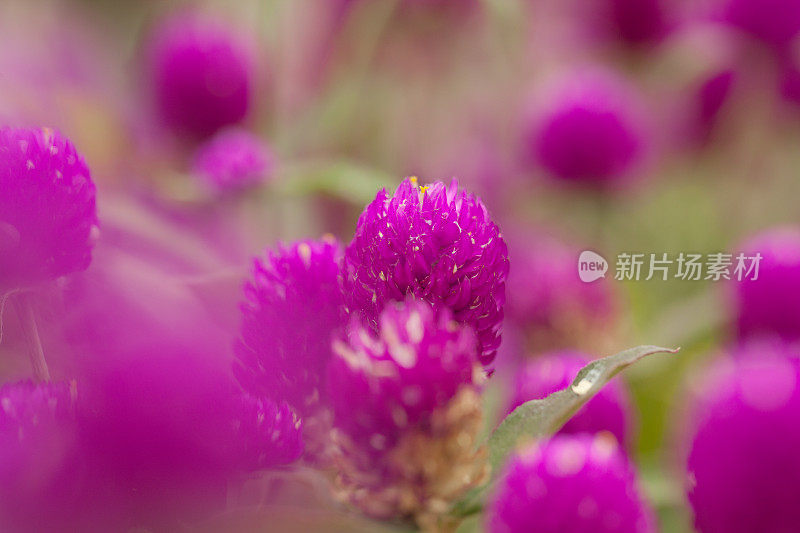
[423, 189]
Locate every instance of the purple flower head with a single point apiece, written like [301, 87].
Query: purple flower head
[203, 74]
[609, 410]
[570, 484]
[48, 218]
[415, 365]
[774, 22]
[591, 131]
[546, 298]
[437, 243]
[743, 465]
[407, 413]
[37, 442]
[770, 304]
[232, 160]
[293, 304]
[270, 434]
[28, 414]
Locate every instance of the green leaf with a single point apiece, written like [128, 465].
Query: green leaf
[539, 418]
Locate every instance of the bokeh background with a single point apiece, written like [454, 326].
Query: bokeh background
[352, 96]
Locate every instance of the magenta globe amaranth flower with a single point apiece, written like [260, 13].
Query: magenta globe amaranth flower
[233, 160]
[37, 448]
[437, 243]
[743, 465]
[774, 22]
[293, 304]
[417, 364]
[407, 413]
[202, 73]
[48, 217]
[770, 304]
[569, 484]
[608, 411]
[591, 130]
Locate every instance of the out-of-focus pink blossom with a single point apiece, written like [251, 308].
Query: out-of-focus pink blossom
[769, 305]
[547, 301]
[39, 484]
[590, 129]
[232, 160]
[202, 71]
[743, 466]
[775, 22]
[570, 484]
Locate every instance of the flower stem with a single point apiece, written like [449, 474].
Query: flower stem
[28, 319]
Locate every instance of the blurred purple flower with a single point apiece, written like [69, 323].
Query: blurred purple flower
[232, 160]
[609, 410]
[591, 131]
[157, 434]
[406, 411]
[770, 305]
[158, 408]
[774, 22]
[546, 298]
[37, 449]
[293, 304]
[48, 218]
[203, 73]
[569, 484]
[743, 464]
[438, 244]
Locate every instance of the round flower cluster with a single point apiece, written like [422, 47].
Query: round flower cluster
[293, 304]
[48, 217]
[202, 74]
[232, 160]
[407, 447]
[437, 243]
[743, 465]
[769, 305]
[37, 446]
[592, 131]
[569, 484]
